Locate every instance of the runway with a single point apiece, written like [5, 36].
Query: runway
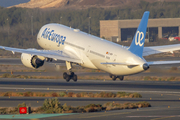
[163, 96]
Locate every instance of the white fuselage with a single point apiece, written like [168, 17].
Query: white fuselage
[90, 49]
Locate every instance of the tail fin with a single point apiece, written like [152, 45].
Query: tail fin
[137, 44]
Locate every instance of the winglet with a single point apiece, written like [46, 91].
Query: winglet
[137, 44]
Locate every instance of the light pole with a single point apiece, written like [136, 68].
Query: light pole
[148, 34]
[32, 25]
[60, 19]
[118, 17]
[89, 25]
[8, 26]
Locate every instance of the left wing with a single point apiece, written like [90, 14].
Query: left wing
[56, 54]
[159, 49]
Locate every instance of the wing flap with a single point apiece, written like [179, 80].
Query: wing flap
[56, 54]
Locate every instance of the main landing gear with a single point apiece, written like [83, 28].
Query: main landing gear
[114, 77]
[71, 74]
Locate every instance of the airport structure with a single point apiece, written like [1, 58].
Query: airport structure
[118, 30]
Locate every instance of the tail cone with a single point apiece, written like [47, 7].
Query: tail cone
[145, 66]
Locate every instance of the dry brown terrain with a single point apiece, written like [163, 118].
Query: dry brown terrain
[79, 4]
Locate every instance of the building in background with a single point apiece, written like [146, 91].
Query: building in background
[123, 30]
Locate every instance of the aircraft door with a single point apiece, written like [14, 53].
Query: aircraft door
[114, 58]
[88, 50]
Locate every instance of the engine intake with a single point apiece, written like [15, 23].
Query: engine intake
[31, 61]
[36, 62]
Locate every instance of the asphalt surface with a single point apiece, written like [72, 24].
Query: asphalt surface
[163, 96]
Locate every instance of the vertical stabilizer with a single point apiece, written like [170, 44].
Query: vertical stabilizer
[137, 44]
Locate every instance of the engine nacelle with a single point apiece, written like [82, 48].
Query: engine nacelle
[31, 61]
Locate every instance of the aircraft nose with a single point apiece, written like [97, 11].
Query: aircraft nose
[145, 66]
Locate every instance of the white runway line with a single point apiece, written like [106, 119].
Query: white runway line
[158, 116]
[92, 90]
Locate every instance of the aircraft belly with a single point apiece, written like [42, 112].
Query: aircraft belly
[97, 62]
[125, 70]
[117, 69]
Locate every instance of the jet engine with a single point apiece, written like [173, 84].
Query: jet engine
[32, 61]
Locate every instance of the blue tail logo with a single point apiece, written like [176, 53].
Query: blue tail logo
[137, 44]
[138, 38]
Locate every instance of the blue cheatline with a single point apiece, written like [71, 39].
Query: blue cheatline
[137, 44]
[33, 116]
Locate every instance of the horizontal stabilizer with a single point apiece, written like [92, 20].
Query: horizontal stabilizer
[162, 62]
[159, 49]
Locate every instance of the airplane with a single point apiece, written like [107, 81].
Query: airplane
[71, 45]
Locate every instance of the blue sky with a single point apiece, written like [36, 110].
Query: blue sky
[7, 3]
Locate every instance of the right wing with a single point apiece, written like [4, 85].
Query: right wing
[162, 62]
[118, 63]
[159, 49]
[56, 54]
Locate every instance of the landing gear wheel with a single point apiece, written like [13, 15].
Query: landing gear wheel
[74, 78]
[114, 77]
[72, 74]
[65, 75]
[110, 75]
[121, 78]
[68, 78]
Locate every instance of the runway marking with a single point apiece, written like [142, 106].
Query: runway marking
[94, 115]
[159, 116]
[173, 94]
[165, 117]
[95, 90]
[105, 114]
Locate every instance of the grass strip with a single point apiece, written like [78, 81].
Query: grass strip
[144, 78]
[54, 106]
[72, 94]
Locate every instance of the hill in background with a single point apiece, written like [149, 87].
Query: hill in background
[81, 4]
[20, 26]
